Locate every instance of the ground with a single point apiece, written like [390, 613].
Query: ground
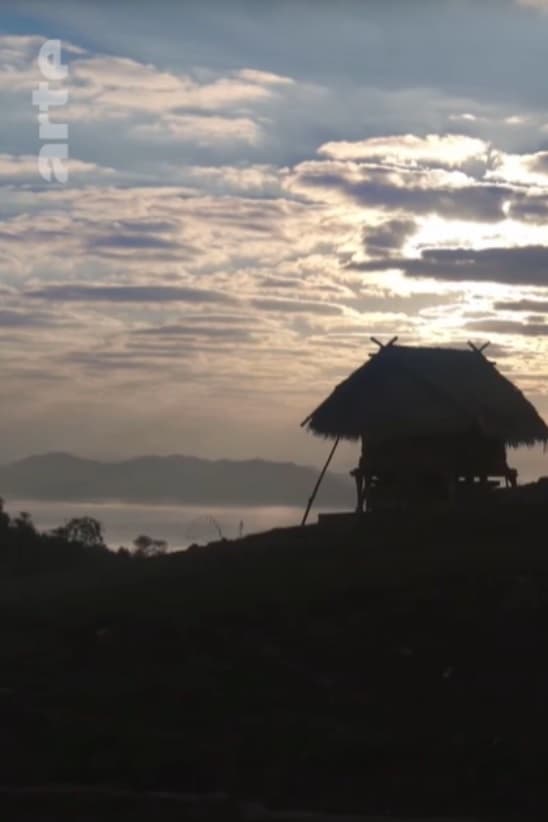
[394, 665]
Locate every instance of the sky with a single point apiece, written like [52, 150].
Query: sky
[253, 190]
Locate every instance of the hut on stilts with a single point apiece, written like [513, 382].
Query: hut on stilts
[434, 424]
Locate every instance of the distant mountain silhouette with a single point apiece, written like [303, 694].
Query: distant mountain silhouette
[181, 479]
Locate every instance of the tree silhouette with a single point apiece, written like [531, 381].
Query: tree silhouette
[4, 517]
[146, 547]
[85, 530]
[23, 522]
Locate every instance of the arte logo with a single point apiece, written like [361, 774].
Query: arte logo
[53, 156]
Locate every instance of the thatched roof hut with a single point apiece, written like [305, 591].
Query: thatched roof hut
[414, 392]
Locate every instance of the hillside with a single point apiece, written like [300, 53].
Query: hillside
[395, 665]
[176, 478]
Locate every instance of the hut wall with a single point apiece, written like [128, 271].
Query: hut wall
[458, 455]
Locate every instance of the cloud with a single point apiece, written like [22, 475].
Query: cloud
[433, 150]
[130, 241]
[111, 81]
[530, 208]
[253, 180]
[539, 162]
[296, 306]
[103, 86]
[19, 319]
[509, 327]
[265, 78]
[202, 131]
[201, 108]
[201, 317]
[18, 54]
[523, 169]
[414, 192]
[513, 266]
[214, 332]
[541, 5]
[23, 168]
[280, 282]
[201, 189]
[391, 302]
[522, 305]
[128, 294]
[388, 237]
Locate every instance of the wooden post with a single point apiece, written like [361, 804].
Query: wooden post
[318, 483]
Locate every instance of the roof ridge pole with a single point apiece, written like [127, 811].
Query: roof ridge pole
[478, 349]
[381, 345]
[318, 483]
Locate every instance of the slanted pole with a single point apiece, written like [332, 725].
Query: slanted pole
[318, 483]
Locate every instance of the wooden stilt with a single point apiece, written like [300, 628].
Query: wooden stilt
[318, 483]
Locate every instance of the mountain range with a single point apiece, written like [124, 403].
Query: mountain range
[169, 479]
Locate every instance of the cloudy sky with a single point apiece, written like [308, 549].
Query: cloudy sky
[254, 190]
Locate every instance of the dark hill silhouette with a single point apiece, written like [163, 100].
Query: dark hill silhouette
[176, 478]
[394, 666]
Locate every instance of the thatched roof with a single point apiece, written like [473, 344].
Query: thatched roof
[404, 391]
